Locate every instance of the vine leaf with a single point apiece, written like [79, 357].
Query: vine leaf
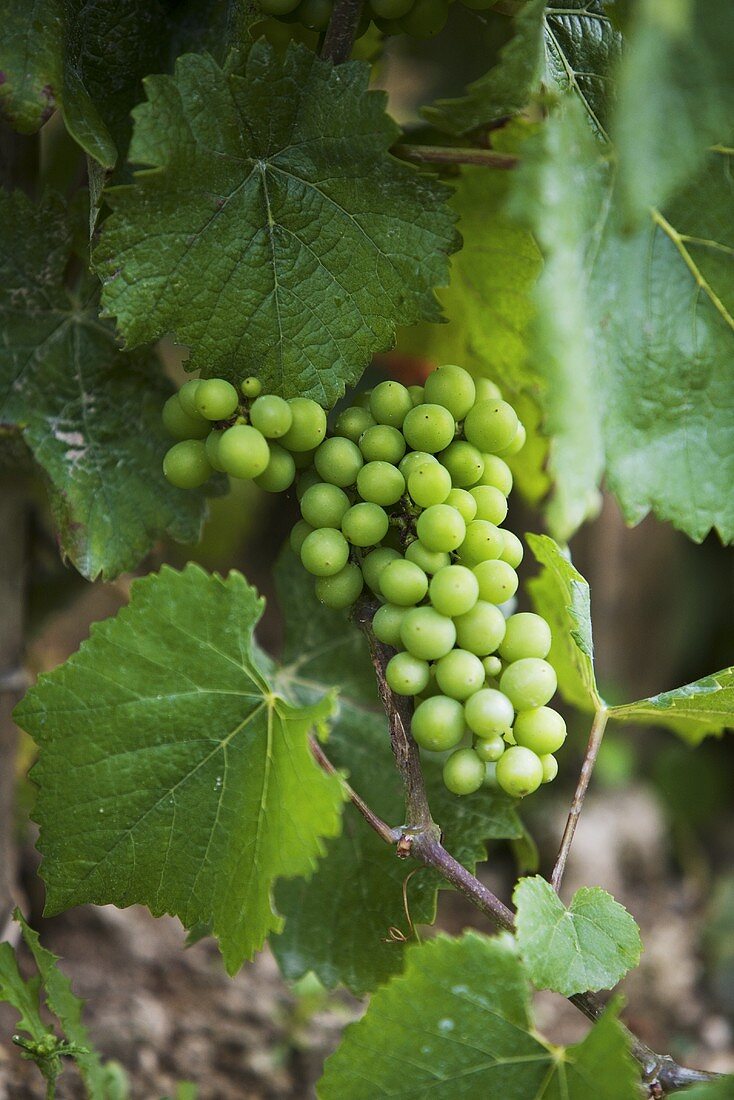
[582, 50]
[459, 1018]
[338, 922]
[588, 946]
[694, 711]
[201, 790]
[561, 595]
[714, 1090]
[272, 232]
[90, 414]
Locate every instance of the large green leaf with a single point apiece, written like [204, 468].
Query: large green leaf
[272, 231]
[457, 1026]
[694, 711]
[170, 774]
[589, 945]
[89, 412]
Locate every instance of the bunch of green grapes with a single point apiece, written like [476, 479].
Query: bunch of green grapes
[418, 18]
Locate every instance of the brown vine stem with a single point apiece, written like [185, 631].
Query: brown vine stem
[592, 751]
[440, 154]
[342, 31]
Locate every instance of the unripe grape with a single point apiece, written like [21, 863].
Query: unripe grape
[365, 524]
[324, 505]
[280, 472]
[517, 443]
[488, 712]
[426, 634]
[406, 674]
[513, 550]
[216, 399]
[390, 403]
[243, 451]
[352, 422]
[186, 465]
[453, 387]
[302, 459]
[325, 552]
[459, 674]
[463, 462]
[489, 749]
[305, 480]
[482, 542]
[497, 473]
[491, 505]
[180, 424]
[429, 428]
[528, 683]
[342, 589]
[390, 9]
[413, 460]
[492, 666]
[430, 561]
[438, 723]
[441, 527]
[387, 622]
[416, 392]
[426, 18]
[550, 768]
[338, 461]
[271, 415]
[541, 729]
[491, 425]
[498, 581]
[429, 484]
[308, 427]
[463, 772]
[211, 443]
[454, 590]
[382, 444]
[403, 582]
[315, 14]
[486, 390]
[527, 635]
[480, 630]
[298, 535]
[187, 397]
[373, 565]
[253, 387]
[380, 483]
[519, 771]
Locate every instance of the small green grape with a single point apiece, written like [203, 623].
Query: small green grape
[550, 768]
[382, 444]
[426, 18]
[216, 399]
[403, 582]
[280, 472]
[491, 425]
[463, 462]
[315, 14]
[305, 480]
[489, 749]
[324, 505]
[253, 387]
[486, 390]
[519, 771]
[340, 590]
[441, 527]
[413, 460]
[416, 392]
[454, 590]
[365, 524]
[179, 424]
[325, 552]
[426, 634]
[453, 387]
[463, 772]
[512, 552]
[430, 561]
[498, 581]
[352, 422]
[488, 712]
[438, 723]
[186, 464]
[497, 473]
[491, 505]
[541, 729]
[429, 484]
[308, 427]
[482, 542]
[374, 563]
[243, 451]
[302, 459]
[390, 9]
[211, 443]
[529, 682]
[380, 483]
[464, 503]
[527, 635]
[338, 461]
[429, 428]
[459, 674]
[517, 443]
[387, 623]
[406, 674]
[187, 397]
[271, 415]
[492, 666]
[481, 629]
[298, 535]
[390, 403]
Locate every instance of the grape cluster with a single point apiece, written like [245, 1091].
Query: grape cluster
[407, 497]
[417, 18]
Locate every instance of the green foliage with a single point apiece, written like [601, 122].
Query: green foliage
[459, 1018]
[170, 774]
[314, 241]
[588, 946]
[74, 395]
[714, 1090]
[582, 47]
[693, 711]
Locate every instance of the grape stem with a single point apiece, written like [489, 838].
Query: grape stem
[439, 154]
[342, 31]
[592, 751]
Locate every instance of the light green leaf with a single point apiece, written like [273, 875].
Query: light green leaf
[22, 994]
[456, 1026]
[676, 96]
[714, 1090]
[272, 231]
[694, 711]
[561, 595]
[74, 395]
[170, 774]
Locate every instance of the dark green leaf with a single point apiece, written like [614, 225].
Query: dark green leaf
[694, 711]
[30, 62]
[582, 49]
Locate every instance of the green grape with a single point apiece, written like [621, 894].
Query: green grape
[438, 723]
[413, 460]
[478, 5]
[519, 771]
[527, 635]
[482, 542]
[374, 563]
[491, 504]
[306, 479]
[486, 390]
[403, 582]
[324, 505]
[390, 403]
[308, 427]
[453, 387]
[187, 397]
[497, 581]
[529, 682]
[253, 387]
[488, 712]
[416, 392]
[426, 634]
[491, 425]
[517, 443]
[454, 590]
[271, 415]
[541, 729]
[380, 483]
[342, 589]
[179, 424]
[429, 428]
[441, 527]
[550, 768]
[406, 674]
[463, 462]
[315, 14]
[430, 561]
[382, 444]
[361, 400]
[513, 549]
[464, 503]
[216, 399]
[302, 459]
[459, 674]
[426, 18]
[273, 7]
[365, 524]
[480, 630]
[390, 9]
[211, 444]
[387, 623]
[489, 749]
[492, 666]
[298, 535]
[496, 473]
[186, 464]
[325, 552]
[429, 484]
[338, 461]
[463, 772]
[280, 472]
[352, 422]
[243, 451]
